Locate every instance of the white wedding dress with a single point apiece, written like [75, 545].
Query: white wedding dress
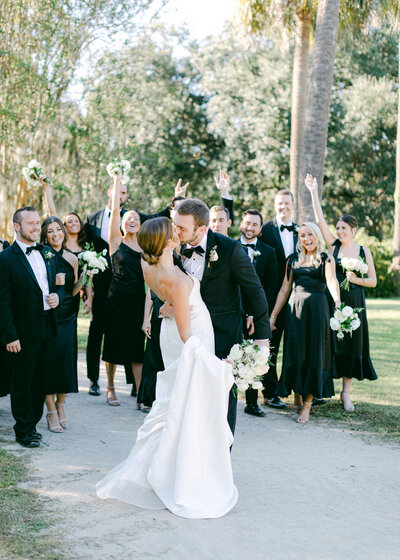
[181, 458]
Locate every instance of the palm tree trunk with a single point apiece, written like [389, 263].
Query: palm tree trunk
[319, 99]
[299, 97]
[396, 234]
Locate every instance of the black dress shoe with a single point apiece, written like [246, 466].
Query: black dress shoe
[254, 410]
[94, 389]
[133, 392]
[317, 402]
[36, 435]
[28, 441]
[276, 403]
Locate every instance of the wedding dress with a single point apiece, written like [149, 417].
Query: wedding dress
[181, 458]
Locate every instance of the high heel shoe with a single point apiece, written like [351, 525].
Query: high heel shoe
[61, 417]
[112, 401]
[55, 428]
[305, 409]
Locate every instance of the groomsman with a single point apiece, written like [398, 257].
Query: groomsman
[227, 277]
[264, 261]
[280, 234]
[96, 227]
[27, 322]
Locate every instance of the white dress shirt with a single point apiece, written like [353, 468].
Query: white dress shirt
[250, 250]
[196, 264]
[38, 266]
[105, 224]
[287, 238]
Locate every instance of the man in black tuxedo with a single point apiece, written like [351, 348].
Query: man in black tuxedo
[280, 234]
[227, 276]
[264, 261]
[27, 321]
[96, 227]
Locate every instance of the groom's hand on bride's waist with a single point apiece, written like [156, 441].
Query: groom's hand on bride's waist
[167, 310]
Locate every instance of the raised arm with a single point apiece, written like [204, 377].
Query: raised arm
[312, 186]
[114, 231]
[48, 197]
[223, 185]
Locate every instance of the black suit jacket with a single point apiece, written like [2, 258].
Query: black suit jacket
[21, 299]
[226, 281]
[266, 267]
[271, 236]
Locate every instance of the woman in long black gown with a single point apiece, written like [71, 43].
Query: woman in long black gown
[307, 356]
[64, 377]
[124, 338]
[352, 357]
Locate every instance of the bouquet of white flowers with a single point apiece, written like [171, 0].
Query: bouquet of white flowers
[33, 172]
[119, 167]
[345, 320]
[356, 265]
[249, 363]
[91, 262]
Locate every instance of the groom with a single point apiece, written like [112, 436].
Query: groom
[226, 274]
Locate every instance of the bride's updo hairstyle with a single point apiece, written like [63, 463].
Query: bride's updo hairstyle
[153, 237]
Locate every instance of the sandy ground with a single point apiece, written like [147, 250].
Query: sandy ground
[305, 492]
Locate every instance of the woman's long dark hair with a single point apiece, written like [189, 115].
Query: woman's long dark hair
[82, 233]
[45, 225]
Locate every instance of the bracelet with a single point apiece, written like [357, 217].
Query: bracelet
[273, 317]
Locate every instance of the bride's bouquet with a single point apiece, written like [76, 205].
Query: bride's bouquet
[119, 167]
[249, 363]
[92, 263]
[356, 265]
[33, 172]
[345, 320]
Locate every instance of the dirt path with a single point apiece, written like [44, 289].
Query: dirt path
[305, 492]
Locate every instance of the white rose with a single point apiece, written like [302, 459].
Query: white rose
[355, 324]
[340, 335]
[347, 311]
[363, 268]
[236, 353]
[344, 261]
[249, 350]
[338, 315]
[242, 386]
[109, 169]
[257, 385]
[33, 163]
[334, 324]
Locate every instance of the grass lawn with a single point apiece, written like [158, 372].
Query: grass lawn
[377, 402]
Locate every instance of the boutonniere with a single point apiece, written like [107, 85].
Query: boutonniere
[296, 228]
[48, 255]
[256, 254]
[213, 256]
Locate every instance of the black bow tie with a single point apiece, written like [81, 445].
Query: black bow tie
[289, 228]
[188, 252]
[37, 247]
[247, 245]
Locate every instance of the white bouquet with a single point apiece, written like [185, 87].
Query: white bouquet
[33, 172]
[356, 265]
[119, 167]
[249, 363]
[345, 320]
[92, 263]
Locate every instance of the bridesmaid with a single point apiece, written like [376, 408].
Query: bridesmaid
[124, 338]
[307, 358]
[352, 353]
[65, 377]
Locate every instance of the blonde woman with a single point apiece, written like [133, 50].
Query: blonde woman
[307, 358]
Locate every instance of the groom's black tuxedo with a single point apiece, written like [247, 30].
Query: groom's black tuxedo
[226, 281]
[271, 236]
[23, 318]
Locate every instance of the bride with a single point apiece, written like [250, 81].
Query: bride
[181, 458]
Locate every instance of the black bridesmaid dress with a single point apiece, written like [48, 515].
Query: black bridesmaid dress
[64, 378]
[351, 355]
[124, 338]
[307, 357]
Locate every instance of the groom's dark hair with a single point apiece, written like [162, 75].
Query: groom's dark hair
[196, 208]
[17, 217]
